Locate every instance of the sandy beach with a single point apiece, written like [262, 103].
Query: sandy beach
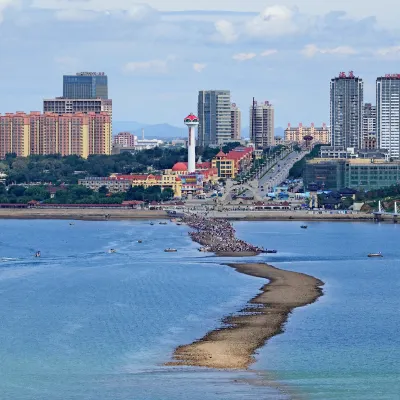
[233, 345]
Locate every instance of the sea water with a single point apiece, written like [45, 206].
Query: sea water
[347, 344]
[80, 323]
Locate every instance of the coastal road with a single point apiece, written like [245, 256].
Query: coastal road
[279, 173]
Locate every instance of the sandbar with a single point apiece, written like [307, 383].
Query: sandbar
[234, 344]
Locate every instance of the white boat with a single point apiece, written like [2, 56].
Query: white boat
[375, 254]
[112, 251]
[169, 250]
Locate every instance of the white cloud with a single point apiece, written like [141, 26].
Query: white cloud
[199, 67]
[225, 31]
[75, 15]
[68, 64]
[389, 51]
[312, 50]
[151, 67]
[5, 4]
[244, 56]
[273, 21]
[268, 53]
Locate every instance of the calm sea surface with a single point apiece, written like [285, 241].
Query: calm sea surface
[79, 323]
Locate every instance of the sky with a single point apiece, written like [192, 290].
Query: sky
[159, 53]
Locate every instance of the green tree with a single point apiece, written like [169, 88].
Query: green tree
[103, 190]
[167, 194]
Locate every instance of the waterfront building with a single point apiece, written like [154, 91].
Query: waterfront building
[125, 139]
[230, 164]
[122, 183]
[346, 110]
[236, 122]
[205, 169]
[388, 113]
[68, 134]
[368, 126]
[85, 85]
[358, 174]
[214, 113]
[297, 134]
[262, 126]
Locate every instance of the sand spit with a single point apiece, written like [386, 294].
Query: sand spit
[233, 346]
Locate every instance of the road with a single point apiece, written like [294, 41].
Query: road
[279, 173]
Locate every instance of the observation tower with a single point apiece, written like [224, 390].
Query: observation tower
[191, 121]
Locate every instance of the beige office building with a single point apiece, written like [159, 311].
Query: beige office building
[296, 134]
[236, 122]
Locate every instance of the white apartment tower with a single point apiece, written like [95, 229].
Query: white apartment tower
[236, 122]
[388, 113]
[214, 112]
[346, 107]
[262, 124]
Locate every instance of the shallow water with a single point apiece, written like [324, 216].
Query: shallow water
[79, 323]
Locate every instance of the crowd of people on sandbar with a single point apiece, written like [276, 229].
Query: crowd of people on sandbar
[218, 235]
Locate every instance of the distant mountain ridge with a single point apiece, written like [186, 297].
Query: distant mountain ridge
[159, 131]
[166, 131]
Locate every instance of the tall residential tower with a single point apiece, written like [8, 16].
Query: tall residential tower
[214, 112]
[388, 113]
[262, 126]
[236, 122]
[346, 108]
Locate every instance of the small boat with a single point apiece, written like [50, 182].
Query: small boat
[169, 250]
[178, 223]
[271, 251]
[140, 241]
[375, 254]
[151, 223]
[303, 226]
[37, 254]
[71, 223]
[112, 251]
[163, 223]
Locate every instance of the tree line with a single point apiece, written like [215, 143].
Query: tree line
[77, 194]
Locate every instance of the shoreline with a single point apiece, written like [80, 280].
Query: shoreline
[129, 214]
[234, 344]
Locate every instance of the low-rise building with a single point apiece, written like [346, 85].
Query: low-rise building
[297, 134]
[125, 139]
[351, 152]
[230, 164]
[122, 183]
[359, 174]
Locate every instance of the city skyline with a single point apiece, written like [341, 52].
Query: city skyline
[248, 49]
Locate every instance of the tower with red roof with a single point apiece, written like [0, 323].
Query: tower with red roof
[191, 121]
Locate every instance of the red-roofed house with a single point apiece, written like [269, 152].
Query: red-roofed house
[230, 164]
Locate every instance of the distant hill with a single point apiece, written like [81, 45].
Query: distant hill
[159, 131]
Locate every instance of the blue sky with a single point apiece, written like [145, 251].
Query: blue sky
[159, 53]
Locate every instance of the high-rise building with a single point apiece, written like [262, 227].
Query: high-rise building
[214, 112]
[388, 113]
[85, 85]
[35, 133]
[236, 122]
[346, 107]
[61, 105]
[14, 134]
[262, 125]
[369, 126]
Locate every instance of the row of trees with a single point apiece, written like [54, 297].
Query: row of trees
[69, 169]
[297, 170]
[76, 194]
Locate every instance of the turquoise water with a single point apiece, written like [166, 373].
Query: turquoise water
[80, 323]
